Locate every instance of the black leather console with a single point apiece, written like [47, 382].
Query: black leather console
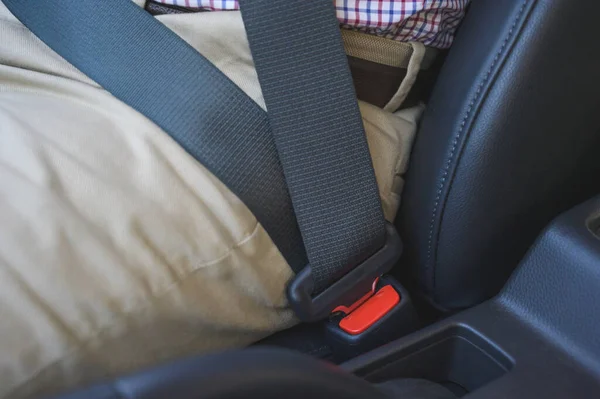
[537, 339]
[510, 139]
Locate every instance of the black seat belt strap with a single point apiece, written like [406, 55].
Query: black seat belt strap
[303, 71]
[313, 127]
[147, 66]
[305, 79]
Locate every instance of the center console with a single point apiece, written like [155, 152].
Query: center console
[539, 338]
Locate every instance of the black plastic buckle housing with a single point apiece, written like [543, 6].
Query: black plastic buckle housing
[347, 290]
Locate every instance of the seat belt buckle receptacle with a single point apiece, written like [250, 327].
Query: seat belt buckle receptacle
[387, 315]
[371, 311]
[349, 289]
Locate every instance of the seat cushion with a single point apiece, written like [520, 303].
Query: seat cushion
[117, 249]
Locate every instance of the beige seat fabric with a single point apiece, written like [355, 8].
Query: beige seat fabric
[117, 249]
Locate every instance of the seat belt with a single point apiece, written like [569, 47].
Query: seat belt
[148, 67]
[313, 133]
[306, 83]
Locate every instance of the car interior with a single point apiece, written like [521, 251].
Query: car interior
[496, 291]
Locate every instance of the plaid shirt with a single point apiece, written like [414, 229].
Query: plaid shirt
[432, 22]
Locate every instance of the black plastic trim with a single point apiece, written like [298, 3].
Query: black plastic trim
[542, 329]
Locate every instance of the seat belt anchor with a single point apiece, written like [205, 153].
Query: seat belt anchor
[347, 290]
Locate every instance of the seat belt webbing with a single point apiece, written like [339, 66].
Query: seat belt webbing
[305, 79]
[325, 156]
[147, 66]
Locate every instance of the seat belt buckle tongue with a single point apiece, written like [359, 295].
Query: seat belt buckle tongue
[348, 290]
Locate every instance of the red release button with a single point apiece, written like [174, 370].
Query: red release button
[371, 311]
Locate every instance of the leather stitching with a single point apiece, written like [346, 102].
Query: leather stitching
[446, 171]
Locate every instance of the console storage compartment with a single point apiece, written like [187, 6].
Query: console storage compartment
[456, 357]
